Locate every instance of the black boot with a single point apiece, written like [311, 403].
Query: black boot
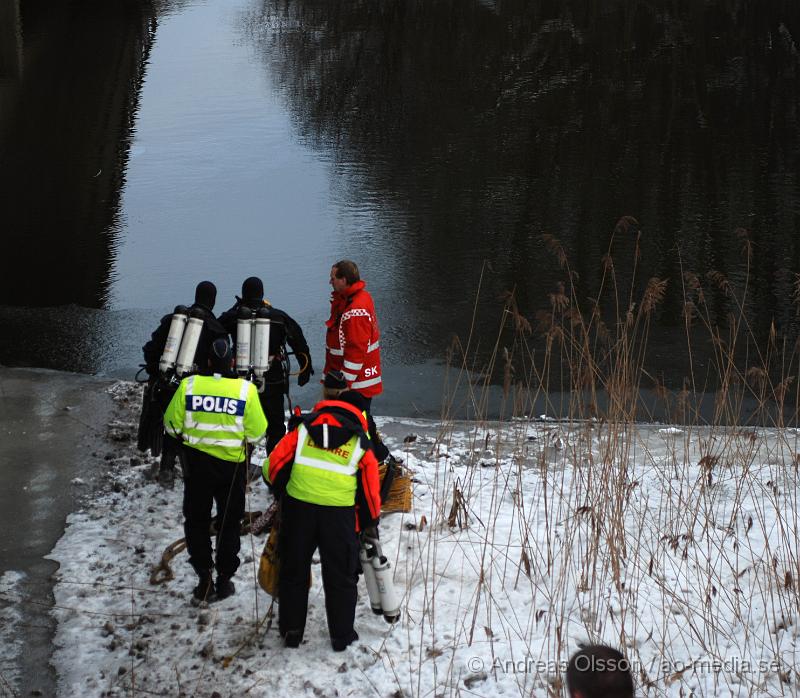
[225, 587]
[292, 638]
[166, 471]
[204, 591]
[166, 478]
[340, 644]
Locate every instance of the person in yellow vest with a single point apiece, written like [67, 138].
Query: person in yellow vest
[326, 476]
[214, 416]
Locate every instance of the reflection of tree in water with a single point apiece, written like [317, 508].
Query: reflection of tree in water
[70, 75]
[491, 123]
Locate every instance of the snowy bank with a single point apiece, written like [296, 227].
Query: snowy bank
[679, 546]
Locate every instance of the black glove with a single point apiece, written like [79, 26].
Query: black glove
[305, 375]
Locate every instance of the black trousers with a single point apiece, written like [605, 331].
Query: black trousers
[210, 480]
[272, 404]
[171, 450]
[305, 527]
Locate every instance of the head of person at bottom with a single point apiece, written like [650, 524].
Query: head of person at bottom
[599, 671]
[333, 385]
[220, 358]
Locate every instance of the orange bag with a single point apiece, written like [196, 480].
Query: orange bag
[269, 565]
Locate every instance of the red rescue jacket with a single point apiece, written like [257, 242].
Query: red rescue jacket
[352, 342]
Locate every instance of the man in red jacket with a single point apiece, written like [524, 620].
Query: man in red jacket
[352, 342]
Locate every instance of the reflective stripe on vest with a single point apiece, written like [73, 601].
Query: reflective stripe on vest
[236, 427]
[214, 422]
[324, 476]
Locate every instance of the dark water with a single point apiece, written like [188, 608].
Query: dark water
[144, 147]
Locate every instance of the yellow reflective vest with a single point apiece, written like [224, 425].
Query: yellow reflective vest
[216, 415]
[325, 476]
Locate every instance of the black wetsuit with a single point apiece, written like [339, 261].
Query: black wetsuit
[283, 330]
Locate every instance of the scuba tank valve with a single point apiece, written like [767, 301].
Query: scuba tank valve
[366, 554]
[191, 337]
[243, 332]
[174, 337]
[260, 353]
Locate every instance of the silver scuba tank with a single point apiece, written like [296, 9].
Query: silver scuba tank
[390, 604]
[259, 358]
[244, 327]
[174, 337]
[366, 554]
[191, 337]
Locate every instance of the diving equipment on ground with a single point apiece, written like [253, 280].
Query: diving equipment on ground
[366, 554]
[378, 577]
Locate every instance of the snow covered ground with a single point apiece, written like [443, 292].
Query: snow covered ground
[680, 546]
[11, 584]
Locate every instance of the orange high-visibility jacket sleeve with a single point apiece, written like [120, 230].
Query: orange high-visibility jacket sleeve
[282, 454]
[371, 482]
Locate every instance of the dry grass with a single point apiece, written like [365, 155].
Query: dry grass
[678, 545]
